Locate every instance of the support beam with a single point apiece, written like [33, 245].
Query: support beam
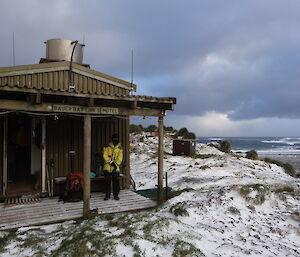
[134, 105]
[166, 102]
[160, 196]
[91, 102]
[16, 105]
[30, 98]
[86, 165]
[38, 98]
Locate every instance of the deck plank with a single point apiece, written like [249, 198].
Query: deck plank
[50, 210]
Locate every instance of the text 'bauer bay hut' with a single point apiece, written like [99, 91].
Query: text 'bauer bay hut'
[56, 116]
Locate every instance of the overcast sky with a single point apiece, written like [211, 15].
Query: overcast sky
[233, 65]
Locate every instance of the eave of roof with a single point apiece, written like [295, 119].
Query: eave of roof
[166, 103]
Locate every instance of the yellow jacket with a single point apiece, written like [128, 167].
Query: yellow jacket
[113, 157]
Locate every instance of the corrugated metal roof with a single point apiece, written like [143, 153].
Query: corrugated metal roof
[59, 68]
[54, 79]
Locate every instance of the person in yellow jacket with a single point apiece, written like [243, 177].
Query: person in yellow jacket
[112, 157]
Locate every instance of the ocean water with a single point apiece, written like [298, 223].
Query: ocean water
[263, 145]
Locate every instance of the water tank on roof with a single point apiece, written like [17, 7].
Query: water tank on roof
[61, 50]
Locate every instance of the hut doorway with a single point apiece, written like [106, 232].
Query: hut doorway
[23, 154]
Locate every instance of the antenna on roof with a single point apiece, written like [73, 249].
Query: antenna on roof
[132, 66]
[13, 50]
[83, 39]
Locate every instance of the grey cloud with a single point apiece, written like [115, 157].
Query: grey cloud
[255, 45]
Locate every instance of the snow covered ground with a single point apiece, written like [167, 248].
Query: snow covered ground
[234, 205]
[225, 205]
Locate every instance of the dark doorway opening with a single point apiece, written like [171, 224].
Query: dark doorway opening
[19, 177]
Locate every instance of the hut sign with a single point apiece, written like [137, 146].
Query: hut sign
[83, 109]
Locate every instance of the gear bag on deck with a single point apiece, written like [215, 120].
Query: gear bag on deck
[73, 188]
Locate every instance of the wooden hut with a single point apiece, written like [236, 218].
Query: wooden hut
[56, 116]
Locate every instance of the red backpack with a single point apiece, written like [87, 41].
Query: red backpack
[74, 188]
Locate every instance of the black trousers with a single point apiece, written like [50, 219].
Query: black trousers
[114, 178]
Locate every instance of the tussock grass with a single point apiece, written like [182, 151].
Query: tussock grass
[225, 146]
[288, 168]
[179, 192]
[182, 248]
[261, 191]
[203, 156]
[285, 189]
[296, 216]
[252, 155]
[179, 209]
[281, 191]
[234, 210]
[5, 239]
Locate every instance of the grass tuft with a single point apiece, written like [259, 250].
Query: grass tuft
[296, 216]
[203, 156]
[252, 155]
[179, 192]
[288, 168]
[179, 209]
[182, 248]
[285, 189]
[234, 210]
[260, 193]
[5, 239]
[204, 167]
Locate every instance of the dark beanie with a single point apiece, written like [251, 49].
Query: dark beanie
[116, 136]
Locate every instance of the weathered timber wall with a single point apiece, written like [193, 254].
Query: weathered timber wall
[66, 134]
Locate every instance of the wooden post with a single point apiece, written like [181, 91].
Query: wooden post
[86, 165]
[160, 196]
[43, 175]
[4, 161]
[127, 156]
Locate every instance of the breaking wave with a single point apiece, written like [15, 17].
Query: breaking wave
[276, 145]
[285, 140]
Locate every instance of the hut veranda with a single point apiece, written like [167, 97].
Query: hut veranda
[56, 116]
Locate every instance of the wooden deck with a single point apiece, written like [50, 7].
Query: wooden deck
[49, 210]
